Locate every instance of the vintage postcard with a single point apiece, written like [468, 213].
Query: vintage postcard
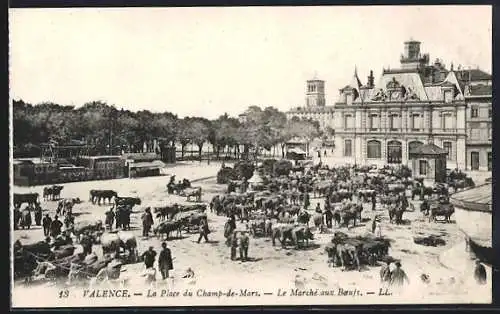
[251, 156]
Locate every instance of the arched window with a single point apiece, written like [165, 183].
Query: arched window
[394, 152]
[373, 149]
[412, 146]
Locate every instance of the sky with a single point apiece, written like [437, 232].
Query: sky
[208, 61]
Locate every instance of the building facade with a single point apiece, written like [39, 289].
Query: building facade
[478, 95]
[416, 104]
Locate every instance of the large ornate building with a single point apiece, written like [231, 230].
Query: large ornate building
[383, 122]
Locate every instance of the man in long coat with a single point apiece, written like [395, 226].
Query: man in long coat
[110, 218]
[203, 230]
[149, 257]
[165, 261]
[55, 227]
[47, 221]
[398, 276]
[147, 222]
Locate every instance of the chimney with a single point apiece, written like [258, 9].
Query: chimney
[370, 80]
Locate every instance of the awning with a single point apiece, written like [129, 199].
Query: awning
[297, 150]
[255, 179]
[157, 164]
[475, 199]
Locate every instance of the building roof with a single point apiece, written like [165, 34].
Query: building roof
[475, 75]
[479, 90]
[151, 165]
[429, 149]
[315, 109]
[478, 198]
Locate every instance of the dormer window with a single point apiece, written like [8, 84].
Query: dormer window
[448, 96]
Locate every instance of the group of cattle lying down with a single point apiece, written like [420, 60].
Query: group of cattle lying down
[55, 258]
[354, 252]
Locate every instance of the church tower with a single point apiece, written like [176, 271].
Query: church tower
[315, 93]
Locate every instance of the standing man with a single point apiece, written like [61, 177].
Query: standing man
[328, 217]
[480, 273]
[147, 222]
[234, 244]
[55, 227]
[38, 214]
[47, 221]
[307, 200]
[149, 257]
[165, 261]
[86, 243]
[385, 272]
[374, 201]
[244, 244]
[398, 276]
[203, 230]
[110, 218]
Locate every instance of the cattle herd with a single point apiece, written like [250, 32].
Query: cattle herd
[277, 207]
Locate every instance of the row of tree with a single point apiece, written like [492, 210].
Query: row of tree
[103, 126]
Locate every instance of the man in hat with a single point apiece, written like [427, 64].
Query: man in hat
[165, 261]
[149, 257]
[244, 244]
[398, 276]
[480, 273]
[203, 229]
[233, 238]
[147, 222]
[86, 243]
[38, 214]
[46, 222]
[385, 272]
[307, 201]
[55, 227]
[318, 208]
[374, 201]
[110, 218]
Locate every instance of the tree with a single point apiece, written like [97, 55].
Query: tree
[198, 131]
[183, 134]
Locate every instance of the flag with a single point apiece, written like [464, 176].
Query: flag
[356, 84]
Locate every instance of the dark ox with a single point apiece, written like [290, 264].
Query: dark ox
[52, 193]
[98, 195]
[444, 210]
[166, 227]
[127, 201]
